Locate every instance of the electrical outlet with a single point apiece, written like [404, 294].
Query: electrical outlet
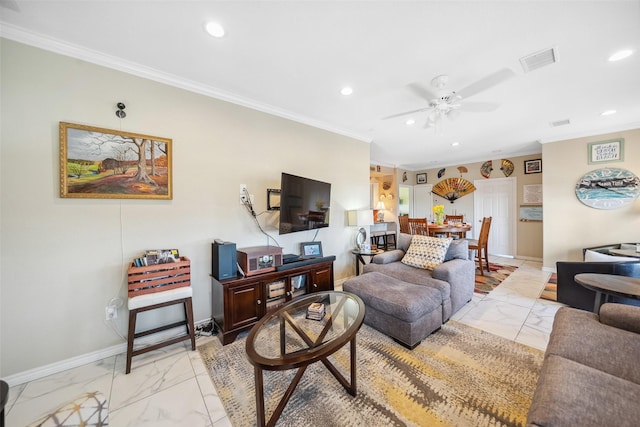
[243, 194]
[111, 312]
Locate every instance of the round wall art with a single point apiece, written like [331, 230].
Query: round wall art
[608, 188]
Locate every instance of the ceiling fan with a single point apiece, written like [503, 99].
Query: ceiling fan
[447, 103]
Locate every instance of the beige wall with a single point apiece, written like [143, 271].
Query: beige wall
[570, 225]
[529, 234]
[64, 259]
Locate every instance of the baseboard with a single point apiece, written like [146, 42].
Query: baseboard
[83, 359]
[529, 258]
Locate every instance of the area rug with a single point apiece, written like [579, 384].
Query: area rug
[550, 291]
[458, 376]
[497, 273]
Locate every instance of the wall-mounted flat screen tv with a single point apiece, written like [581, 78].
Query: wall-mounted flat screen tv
[304, 203]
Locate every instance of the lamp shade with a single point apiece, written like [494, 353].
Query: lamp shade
[380, 206]
[360, 218]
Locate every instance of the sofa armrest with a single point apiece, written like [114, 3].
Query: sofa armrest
[621, 316]
[389, 256]
[457, 272]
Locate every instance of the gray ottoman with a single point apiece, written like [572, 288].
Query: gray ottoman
[406, 312]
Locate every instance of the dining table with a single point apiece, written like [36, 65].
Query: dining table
[448, 229]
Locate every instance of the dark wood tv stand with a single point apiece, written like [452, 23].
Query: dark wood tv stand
[239, 303]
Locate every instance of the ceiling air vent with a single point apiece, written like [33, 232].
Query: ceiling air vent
[539, 59]
[560, 123]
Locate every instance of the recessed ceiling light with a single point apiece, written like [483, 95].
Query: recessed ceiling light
[455, 144]
[215, 29]
[621, 54]
[346, 91]
[410, 122]
[608, 112]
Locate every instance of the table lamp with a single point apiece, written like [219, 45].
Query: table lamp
[380, 207]
[361, 218]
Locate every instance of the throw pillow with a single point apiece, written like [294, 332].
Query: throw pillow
[593, 256]
[426, 252]
[459, 249]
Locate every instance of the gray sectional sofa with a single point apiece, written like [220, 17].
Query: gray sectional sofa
[409, 303]
[590, 375]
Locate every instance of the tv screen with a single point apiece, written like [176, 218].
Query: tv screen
[304, 204]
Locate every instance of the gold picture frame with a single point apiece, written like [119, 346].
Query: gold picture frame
[111, 164]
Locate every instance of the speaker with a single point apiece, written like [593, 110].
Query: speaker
[223, 260]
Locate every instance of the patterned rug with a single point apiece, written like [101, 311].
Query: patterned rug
[498, 272]
[550, 291]
[458, 376]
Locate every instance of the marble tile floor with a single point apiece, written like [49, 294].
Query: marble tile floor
[170, 386]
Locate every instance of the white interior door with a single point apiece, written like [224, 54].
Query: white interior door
[422, 201]
[497, 198]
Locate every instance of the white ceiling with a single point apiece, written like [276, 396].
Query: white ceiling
[291, 58]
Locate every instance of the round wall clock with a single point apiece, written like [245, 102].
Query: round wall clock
[608, 188]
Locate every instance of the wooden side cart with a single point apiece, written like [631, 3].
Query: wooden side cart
[156, 286]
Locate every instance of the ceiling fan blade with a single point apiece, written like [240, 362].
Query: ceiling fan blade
[486, 82]
[480, 107]
[419, 110]
[453, 114]
[423, 92]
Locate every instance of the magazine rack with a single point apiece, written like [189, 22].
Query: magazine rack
[157, 286]
[159, 277]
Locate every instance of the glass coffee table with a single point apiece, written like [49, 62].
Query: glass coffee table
[286, 339]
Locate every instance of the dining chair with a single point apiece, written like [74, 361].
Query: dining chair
[480, 245]
[456, 218]
[404, 224]
[416, 222]
[421, 229]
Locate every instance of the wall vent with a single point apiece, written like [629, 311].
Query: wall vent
[539, 59]
[560, 123]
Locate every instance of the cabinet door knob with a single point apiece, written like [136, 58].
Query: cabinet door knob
[315, 285]
[259, 302]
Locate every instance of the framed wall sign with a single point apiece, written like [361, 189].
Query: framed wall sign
[421, 178]
[111, 164]
[530, 213]
[533, 166]
[532, 193]
[606, 151]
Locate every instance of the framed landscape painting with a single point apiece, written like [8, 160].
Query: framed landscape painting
[111, 164]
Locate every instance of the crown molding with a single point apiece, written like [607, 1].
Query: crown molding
[31, 38]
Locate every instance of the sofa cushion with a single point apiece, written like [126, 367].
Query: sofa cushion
[426, 252]
[593, 256]
[404, 301]
[578, 335]
[404, 240]
[458, 249]
[571, 394]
